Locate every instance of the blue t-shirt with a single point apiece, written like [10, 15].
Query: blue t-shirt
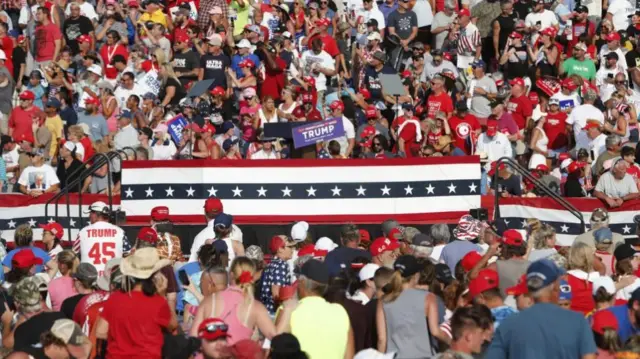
[625, 329]
[36, 251]
[236, 60]
[190, 268]
[97, 125]
[342, 257]
[501, 313]
[542, 331]
[453, 252]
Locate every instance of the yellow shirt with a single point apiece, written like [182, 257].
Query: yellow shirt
[54, 125]
[158, 17]
[322, 328]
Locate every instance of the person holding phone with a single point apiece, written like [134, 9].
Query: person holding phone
[540, 19]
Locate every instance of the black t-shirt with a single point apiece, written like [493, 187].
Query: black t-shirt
[179, 94]
[573, 188]
[64, 174]
[633, 60]
[214, 68]
[186, 62]
[69, 305]
[74, 28]
[19, 58]
[522, 9]
[218, 115]
[28, 333]
[37, 353]
[510, 185]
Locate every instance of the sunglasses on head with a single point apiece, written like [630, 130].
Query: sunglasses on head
[214, 327]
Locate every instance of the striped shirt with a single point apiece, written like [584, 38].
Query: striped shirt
[469, 40]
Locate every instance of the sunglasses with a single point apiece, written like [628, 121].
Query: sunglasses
[215, 327]
[248, 98]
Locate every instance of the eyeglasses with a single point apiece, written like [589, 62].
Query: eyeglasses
[621, 82]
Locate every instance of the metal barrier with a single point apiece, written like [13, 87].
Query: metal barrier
[526, 174]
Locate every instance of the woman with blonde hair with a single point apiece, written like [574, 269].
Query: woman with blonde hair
[544, 242]
[400, 328]
[237, 306]
[77, 135]
[171, 90]
[581, 275]
[62, 287]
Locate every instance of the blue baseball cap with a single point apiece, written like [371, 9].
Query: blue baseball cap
[565, 290]
[223, 221]
[226, 126]
[603, 236]
[543, 269]
[220, 246]
[478, 63]
[54, 102]
[407, 106]
[226, 145]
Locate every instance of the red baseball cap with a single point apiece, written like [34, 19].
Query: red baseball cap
[323, 22]
[520, 288]
[575, 165]
[307, 98]
[563, 156]
[92, 100]
[533, 97]
[365, 93]
[591, 124]
[55, 228]
[492, 127]
[27, 95]
[493, 168]
[549, 31]
[395, 233]
[368, 131]
[213, 328]
[486, 279]
[193, 127]
[308, 250]
[213, 204]
[613, 36]
[464, 12]
[309, 80]
[542, 168]
[208, 127]
[470, 260]
[518, 81]
[516, 35]
[602, 320]
[405, 74]
[276, 243]
[371, 112]
[83, 38]
[246, 63]
[383, 244]
[511, 237]
[147, 234]
[217, 91]
[568, 83]
[160, 213]
[132, 3]
[25, 259]
[182, 37]
[364, 236]
[337, 105]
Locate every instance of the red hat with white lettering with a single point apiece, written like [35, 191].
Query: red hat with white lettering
[613, 36]
[309, 80]
[160, 213]
[575, 166]
[365, 93]
[383, 244]
[83, 38]
[464, 12]
[487, 279]
[511, 237]
[335, 105]
[213, 204]
[518, 81]
[27, 95]
[371, 112]
[217, 91]
[569, 84]
[54, 228]
[307, 98]
[368, 132]
[147, 234]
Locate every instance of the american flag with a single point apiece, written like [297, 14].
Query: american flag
[515, 211]
[328, 191]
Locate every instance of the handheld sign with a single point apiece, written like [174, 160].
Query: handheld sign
[176, 125]
[314, 132]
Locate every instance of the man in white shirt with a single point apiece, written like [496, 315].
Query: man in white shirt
[348, 140]
[539, 19]
[127, 87]
[212, 210]
[597, 140]
[10, 156]
[495, 144]
[370, 11]
[318, 64]
[39, 178]
[86, 9]
[616, 186]
[581, 114]
[619, 12]
[267, 152]
[127, 135]
[442, 23]
[613, 45]
[606, 75]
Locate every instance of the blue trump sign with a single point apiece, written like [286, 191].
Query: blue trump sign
[176, 125]
[314, 132]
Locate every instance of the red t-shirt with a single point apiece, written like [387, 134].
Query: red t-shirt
[107, 53]
[520, 108]
[313, 115]
[20, 121]
[634, 171]
[330, 45]
[274, 80]
[582, 295]
[82, 308]
[441, 102]
[46, 35]
[135, 324]
[7, 46]
[432, 137]
[408, 133]
[556, 129]
[461, 128]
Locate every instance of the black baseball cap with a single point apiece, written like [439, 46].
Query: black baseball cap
[612, 55]
[443, 273]
[581, 9]
[637, 13]
[624, 251]
[316, 271]
[407, 265]
[372, 22]
[462, 106]
[146, 131]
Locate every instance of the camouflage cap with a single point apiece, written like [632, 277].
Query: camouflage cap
[254, 252]
[27, 292]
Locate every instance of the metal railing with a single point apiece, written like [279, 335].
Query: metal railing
[538, 184]
[88, 168]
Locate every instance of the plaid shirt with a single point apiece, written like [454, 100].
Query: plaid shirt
[204, 19]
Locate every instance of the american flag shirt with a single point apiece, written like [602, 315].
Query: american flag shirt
[276, 273]
[469, 40]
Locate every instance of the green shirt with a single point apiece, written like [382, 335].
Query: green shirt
[585, 68]
[322, 328]
[242, 16]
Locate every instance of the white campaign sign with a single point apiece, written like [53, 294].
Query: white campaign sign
[193, 13]
[149, 83]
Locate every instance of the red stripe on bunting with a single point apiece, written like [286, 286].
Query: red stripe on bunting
[21, 200]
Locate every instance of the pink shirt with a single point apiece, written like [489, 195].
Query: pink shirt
[60, 289]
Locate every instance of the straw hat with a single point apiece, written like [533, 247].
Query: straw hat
[143, 263]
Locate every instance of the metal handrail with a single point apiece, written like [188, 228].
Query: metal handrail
[526, 174]
[97, 160]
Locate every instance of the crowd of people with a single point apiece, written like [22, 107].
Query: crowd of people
[470, 292]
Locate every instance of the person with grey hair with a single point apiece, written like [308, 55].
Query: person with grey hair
[341, 257]
[583, 113]
[616, 186]
[440, 236]
[599, 219]
[442, 23]
[613, 145]
[545, 328]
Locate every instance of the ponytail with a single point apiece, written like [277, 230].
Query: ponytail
[242, 270]
[393, 289]
[609, 341]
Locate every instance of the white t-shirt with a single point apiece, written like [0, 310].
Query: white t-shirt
[11, 159]
[86, 9]
[441, 19]
[597, 146]
[349, 133]
[162, 152]
[208, 233]
[547, 18]
[578, 118]
[497, 147]
[374, 13]
[38, 178]
[622, 60]
[262, 155]
[620, 9]
[99, 243]
[423, 11]
[311, 60]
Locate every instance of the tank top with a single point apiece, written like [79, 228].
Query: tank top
[112, 121]
[582, 290]
[232, 298]
[507, 25]
[406, 328]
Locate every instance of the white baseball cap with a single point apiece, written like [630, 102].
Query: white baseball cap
[96, 69]
[98, 206]
[374, 36]
[368, 271]
[79, 150]
[326, 244]
[374, 354]
[299, 231]
[605, 282]
[243, 44]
